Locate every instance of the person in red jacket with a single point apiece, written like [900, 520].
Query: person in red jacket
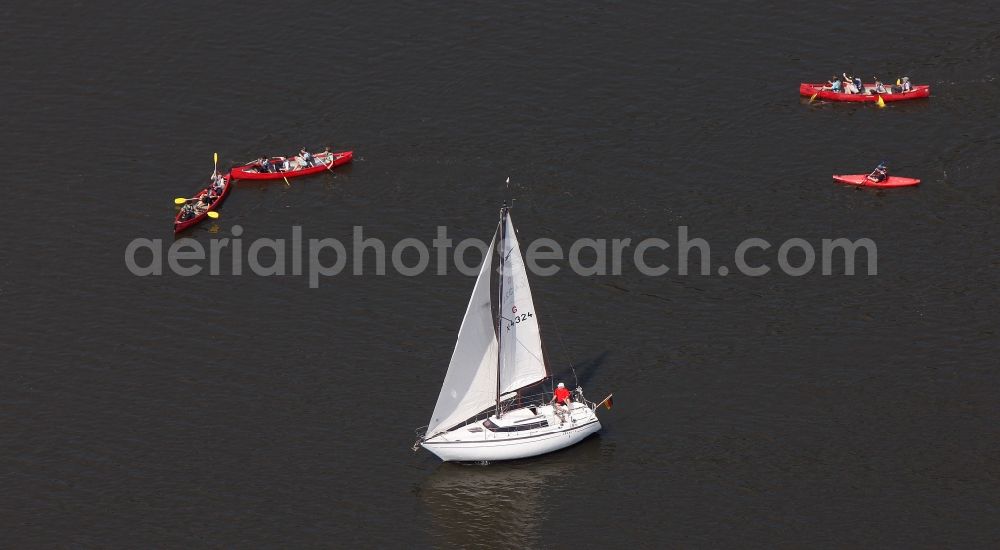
[560, 399]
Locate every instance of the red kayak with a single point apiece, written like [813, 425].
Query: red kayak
[918, 91]
[862, 180]
[324, 161]
[181, 225]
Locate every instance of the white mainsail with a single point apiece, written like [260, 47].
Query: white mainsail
[521, 360]
[471, 382]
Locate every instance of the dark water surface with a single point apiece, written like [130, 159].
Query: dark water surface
[240, 411]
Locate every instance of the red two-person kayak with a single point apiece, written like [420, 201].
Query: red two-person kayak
[862, 180]
[324, 161]
[181, 225]
[918, 91]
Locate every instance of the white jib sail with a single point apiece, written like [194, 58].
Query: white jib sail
[521, 360]
[471, 382]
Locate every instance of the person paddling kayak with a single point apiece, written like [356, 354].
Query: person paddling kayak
[835, 85]
[880, 173]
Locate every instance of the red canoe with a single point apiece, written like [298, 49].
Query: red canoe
[922, 90]
[325, 162]
[181, 225]
[862, 180]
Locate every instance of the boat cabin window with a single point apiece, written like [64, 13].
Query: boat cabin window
[491, 426]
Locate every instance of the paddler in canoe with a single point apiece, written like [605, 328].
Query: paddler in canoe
[849, 86]
[279, 165]
[881, 172]
[904, 84]
[188, 211]
[306, 158]
[328, 156]
[218, 182]
[853, 85]
[879, 87]
[266, 166]
[835, 85]
[214, 190]
[194, 207]
[204, 201]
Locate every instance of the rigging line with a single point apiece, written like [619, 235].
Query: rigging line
[531, 353]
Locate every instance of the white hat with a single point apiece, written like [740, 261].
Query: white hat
[560, 385]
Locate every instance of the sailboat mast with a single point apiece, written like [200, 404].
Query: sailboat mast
[503, 248]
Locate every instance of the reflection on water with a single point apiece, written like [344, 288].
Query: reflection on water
[505, 504]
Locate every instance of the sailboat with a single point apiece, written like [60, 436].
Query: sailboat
[481, 414]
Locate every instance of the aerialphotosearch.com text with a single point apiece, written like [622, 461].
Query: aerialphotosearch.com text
[365, 255]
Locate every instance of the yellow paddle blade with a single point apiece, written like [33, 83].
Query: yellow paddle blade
[213, 214]
[180, 200]
[215, 158]
[880, 103]
[813, 97]
[899, 82]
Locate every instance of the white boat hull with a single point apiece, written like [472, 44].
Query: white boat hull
[474, 443]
